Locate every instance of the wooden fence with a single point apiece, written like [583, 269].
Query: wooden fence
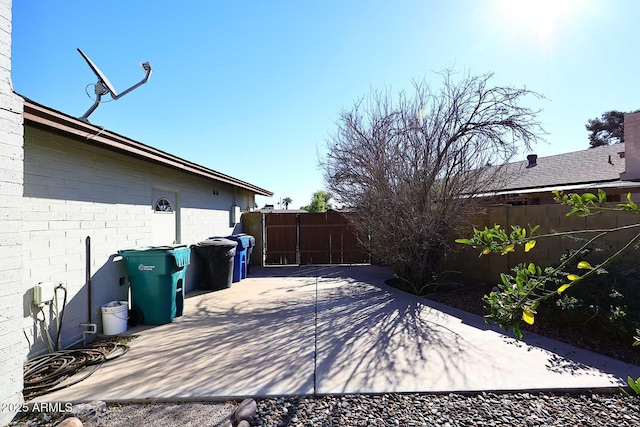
[304, 238]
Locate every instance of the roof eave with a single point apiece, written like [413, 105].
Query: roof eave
[43, 116]
[612, 184]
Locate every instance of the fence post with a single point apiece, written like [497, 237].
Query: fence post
[298, 257]
[263, 221]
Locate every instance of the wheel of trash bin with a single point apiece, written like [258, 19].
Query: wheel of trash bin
[135, 317]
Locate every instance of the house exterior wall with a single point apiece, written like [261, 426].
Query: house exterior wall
[74, 190]
[632, 147]
[12, 343]
[546, 197]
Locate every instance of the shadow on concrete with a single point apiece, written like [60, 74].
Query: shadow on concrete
[563, 358]
[373, 336]
[317, 330]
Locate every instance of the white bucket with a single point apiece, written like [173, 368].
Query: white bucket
[114, 317]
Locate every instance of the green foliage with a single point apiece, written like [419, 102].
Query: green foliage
[568, 303]
[506, 304]
[609, 302]
[319, 202]
[519, 294]
[286, 202]
[607, 129]
[634, 384]
[439, 281]
[496, 239]
[582, 205]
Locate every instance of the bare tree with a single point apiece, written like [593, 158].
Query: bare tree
[409, 166]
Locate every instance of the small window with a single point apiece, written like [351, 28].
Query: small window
[163, 205]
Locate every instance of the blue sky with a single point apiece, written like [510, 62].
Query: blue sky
[253, 89]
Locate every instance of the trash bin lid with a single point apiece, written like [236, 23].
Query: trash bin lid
[248, 239]
[215, 246]
[243, 240]
[181, 253]
[150, 249]
[217, 241]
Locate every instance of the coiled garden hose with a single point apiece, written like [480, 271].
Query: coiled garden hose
[48, 373]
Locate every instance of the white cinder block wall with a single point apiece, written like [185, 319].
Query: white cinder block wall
[13, 346]
[73, 190]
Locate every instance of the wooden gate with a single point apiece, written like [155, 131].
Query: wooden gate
[281, 239]
[311, 238]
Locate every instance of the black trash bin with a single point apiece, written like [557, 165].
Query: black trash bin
[217, 262]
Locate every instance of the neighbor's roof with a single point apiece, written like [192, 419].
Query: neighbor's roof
[283, 211]
[593, 165]
[46, 117]
[589, 186]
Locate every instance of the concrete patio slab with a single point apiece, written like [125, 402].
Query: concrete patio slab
[324, 330]
[373, 338]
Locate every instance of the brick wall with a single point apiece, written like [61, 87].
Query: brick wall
[12, 343]
[547, 251]
[74, 190]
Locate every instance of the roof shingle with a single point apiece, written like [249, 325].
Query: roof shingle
[601, 164]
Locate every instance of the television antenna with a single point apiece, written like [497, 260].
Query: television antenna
[103, 86]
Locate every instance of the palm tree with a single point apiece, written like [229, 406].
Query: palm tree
[286, 201]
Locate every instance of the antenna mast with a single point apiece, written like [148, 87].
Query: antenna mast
[104, 86]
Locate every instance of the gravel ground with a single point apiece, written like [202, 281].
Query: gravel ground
[485, 409]
[98, 414]
[165, 414]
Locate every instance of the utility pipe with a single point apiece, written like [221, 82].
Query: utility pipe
[92, 326]
[88, 274]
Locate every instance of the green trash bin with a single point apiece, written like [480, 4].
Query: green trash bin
[157, 276]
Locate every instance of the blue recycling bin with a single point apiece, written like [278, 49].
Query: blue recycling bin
[157, 276]
[241, 259]
[251, 244]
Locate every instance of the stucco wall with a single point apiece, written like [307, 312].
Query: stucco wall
[252, 224]
[632, 147]
[73, 190]
[12, 342]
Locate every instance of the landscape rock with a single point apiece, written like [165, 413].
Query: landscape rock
[87, 411]
[453, 410]
[391, 409]
[246, 410]
[70, 422]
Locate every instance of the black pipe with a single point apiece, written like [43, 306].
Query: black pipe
[88, 272]
[60, 314]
